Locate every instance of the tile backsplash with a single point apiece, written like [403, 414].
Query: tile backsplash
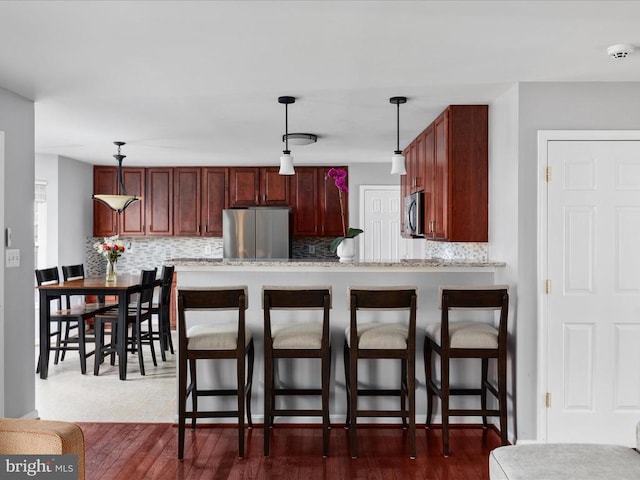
[148, 252]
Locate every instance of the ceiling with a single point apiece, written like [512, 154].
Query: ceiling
[196, 83]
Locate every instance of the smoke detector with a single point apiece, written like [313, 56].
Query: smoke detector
[620, 51]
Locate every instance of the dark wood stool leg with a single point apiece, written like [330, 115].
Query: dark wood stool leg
[194, 391]
[182, 403]
[403, 391]
[428, 374]
[326, 378]
[268, 398]
[241, 399]
[483, 389]
[250, 358]
[411, 380]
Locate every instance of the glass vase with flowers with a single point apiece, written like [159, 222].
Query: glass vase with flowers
[112, 249]
[340, 179]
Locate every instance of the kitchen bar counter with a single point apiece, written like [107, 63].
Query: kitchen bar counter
[426, 275]
[324, 264]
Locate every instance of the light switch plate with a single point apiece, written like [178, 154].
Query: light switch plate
[12, 259]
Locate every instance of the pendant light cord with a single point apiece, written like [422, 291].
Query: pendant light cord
[398, 129]
[286, 129]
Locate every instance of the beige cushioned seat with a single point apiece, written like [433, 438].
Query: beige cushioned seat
[380, 336]
[215, 337]
[466, 334]
[305, 335]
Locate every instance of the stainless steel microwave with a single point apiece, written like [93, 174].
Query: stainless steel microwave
[414, 214]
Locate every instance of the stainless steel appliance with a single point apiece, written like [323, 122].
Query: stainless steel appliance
[414, 214]
[256, 232]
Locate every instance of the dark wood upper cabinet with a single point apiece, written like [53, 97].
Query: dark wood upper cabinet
[331, 223]
[159, 201]
[215, 198]
[251, 186]
[274, 188]
[304, 202]
[132, 220]
[187, 201]
[449, 162]
[105, 182]
[316, 203]
[244, 186]
[461, 177]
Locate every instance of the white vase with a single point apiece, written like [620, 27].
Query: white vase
[347, 250]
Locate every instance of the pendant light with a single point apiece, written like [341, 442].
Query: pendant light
[286, 160]
[121, 199]
[397, 161]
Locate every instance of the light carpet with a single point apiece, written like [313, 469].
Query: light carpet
[70, 396]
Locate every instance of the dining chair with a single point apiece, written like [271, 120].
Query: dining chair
[137, 316]
[213, 333]
[67, 318]
[468, 337]
[292, 336]
[161, 310]
[378, 339]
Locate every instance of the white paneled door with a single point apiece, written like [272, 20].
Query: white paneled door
[380, 220]
[592, 338]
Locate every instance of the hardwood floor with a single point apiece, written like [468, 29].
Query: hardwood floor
[148, 451]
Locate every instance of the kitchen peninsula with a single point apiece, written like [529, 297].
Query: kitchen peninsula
[426, 275]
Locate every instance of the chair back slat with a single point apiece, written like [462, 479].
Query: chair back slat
[213, 298]
[167, 281]
[47, 276]
[381, 298]
[72, 272]
[295, 298]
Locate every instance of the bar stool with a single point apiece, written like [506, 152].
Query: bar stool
[207, 338]
[377, 340]
[296, 337]
[470, 338]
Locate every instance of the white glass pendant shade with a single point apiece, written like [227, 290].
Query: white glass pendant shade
[397, 165]
[117, 203]
[286, 165]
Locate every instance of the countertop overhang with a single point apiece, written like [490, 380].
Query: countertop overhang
[326, 265]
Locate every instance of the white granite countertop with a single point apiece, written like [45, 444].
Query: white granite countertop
[323, 264]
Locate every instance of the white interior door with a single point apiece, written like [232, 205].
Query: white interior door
[592, 338]
[380, 219]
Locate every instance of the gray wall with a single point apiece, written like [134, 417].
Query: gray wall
[17, 121]
[551, 106]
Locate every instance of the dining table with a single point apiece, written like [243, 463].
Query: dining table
[122, 288]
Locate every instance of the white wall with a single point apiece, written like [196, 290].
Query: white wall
[16, 341]
[75, 222]
[69, 215]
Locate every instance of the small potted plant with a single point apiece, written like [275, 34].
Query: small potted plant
[344, 245]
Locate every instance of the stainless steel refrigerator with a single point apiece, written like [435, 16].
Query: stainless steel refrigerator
[256, 232]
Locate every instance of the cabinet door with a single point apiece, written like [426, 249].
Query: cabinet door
[132, 220]
[274, 188]
[405, 187]
[419, 160]
[214, 199]
[159, 207]
[244, 186]
[304, 201]
[438, 228]
[429, 174]
[331, 222]
[105, 181]
[186, 201]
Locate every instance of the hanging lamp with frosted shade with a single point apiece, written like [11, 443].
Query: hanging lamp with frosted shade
[398, 166]
[121, 199]
[286, 160]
